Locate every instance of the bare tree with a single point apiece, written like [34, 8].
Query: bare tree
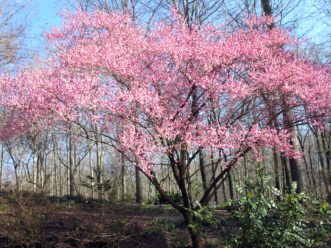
[12, 32]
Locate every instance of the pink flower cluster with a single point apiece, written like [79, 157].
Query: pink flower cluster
[199, 86]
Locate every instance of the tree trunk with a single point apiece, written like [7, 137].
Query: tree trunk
[326, 149]
[91, 171]
[322, 160]
[202, 170]
[139, 193]
[312, 169]
[308, 173]
[302, 142]
[99, 171]
[71, 166]
[192, 228]
[214, 168]
[276, 169]
[1, 165]
[71, 183]
[286, 174]
[17, 180]
[34, 171]
[38, 171]
[55, 175]
[60, 180]
[123, 179]
[295, 167]
[230, 186]
[296, 174]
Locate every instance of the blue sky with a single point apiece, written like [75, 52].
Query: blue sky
[44, 14]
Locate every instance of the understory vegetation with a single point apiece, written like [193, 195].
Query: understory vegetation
[268, 218]
[260, 217]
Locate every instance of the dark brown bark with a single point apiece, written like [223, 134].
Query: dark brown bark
[123, 178]
[230, 186]
[1, 165]
[267, 9]
[266, 6]
[193, 230]
[302, 141]
[202, 170]
[17, 180]
[99, 171]
[312, 169]
[139, 192]
[71, 166]
[327, 152]
[214, 168]
[296, 174]
[295, 167]
[286, 174]
[322, 161]
[276, 169]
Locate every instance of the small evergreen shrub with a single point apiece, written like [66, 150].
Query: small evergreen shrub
[267, 218]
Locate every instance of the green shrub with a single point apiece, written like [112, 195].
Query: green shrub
[287, 221]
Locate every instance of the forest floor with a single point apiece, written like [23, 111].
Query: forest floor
[35, 221]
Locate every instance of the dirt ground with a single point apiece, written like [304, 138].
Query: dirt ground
[36, 221]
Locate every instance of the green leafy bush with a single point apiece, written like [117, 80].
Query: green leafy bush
[268, 218]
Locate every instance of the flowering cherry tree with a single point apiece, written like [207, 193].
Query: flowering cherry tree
[175, 91]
